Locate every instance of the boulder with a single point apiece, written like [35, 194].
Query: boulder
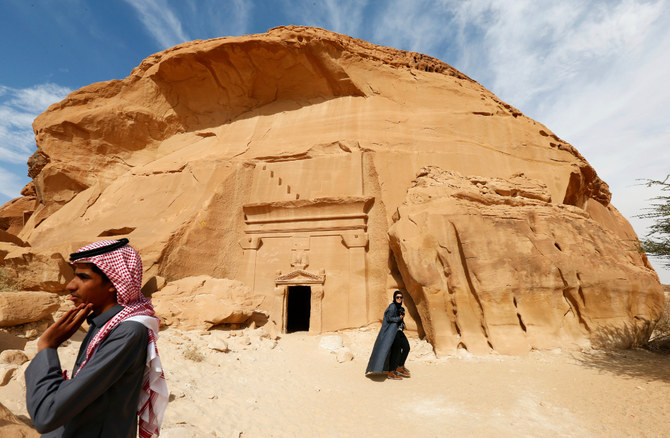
[203, 302]
[331, 342]
[218, 344]
[12, 426]
[13, 357]
[493, 264]
[23, 306]
[344, 355]
[6, 373]
[5, 248]
[10, 238]
[37, 270]
[15, 213]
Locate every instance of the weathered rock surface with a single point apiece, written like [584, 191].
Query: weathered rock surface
[7, 372]
[9, 341]
[32, 269]
[278, 160]
[13, 357]
[492, 264]
[203, 302]
[15, 213]
[22, 307]
[218, 344]
[11, 426]
[10, 238]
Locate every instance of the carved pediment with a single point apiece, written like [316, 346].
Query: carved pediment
[300, 276]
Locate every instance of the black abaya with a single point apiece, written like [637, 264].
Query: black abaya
[379, 359]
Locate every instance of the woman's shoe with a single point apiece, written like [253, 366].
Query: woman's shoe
[400, 371]
[393, 375]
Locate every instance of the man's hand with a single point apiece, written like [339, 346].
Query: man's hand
[61, 330]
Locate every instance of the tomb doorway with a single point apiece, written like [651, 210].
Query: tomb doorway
[298, 306]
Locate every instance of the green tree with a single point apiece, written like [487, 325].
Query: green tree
[657, 241]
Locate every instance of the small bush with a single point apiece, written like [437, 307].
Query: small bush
[660, 337]
[191, 353]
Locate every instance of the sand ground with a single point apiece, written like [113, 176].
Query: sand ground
[293, 387]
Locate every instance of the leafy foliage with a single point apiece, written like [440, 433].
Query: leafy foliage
[657, 241]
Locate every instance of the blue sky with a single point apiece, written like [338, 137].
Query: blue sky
[595, 72]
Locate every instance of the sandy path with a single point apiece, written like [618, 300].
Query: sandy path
[299, 389]
[294, 388]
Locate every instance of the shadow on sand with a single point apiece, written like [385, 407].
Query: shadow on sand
[376, 377]
[635, 363]
[621, 355]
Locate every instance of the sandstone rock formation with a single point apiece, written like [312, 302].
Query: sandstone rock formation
[203, 302]
[12, 426]
[22, 307]
[492, 263]
[37, 270]
[15, 213]
[280, 160]
[13, 357]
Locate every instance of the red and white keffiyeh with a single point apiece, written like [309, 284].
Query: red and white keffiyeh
[123, 267]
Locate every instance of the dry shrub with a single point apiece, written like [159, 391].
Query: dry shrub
[7, 283]
[660, 337]
[191, 353]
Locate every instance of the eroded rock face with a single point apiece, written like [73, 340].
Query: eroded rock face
[22, 307]
[278, 160]
[15, 213]
[12, 426]
[493, 264]
[13, 357]
[203, 302]
[32, 269]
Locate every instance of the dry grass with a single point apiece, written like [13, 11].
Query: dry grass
[192, 353]
[660, 337]
[7, 283]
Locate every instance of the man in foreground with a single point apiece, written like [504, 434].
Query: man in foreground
[117, 375]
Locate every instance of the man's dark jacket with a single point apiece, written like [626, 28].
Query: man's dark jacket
[101, 400]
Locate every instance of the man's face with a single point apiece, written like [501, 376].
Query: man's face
[89, 287]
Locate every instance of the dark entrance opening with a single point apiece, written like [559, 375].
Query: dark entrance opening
[297, 308]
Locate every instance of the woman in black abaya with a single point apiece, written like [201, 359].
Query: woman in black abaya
[391, 347]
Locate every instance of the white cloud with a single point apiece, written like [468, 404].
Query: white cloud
[18, 109]
[536, 47]
[342, 16]
[10, 184]
[593, 72]
[612, 106]
[213, 18]
[237, 17]
[420, 26]
[160, 21]
[36, 99]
